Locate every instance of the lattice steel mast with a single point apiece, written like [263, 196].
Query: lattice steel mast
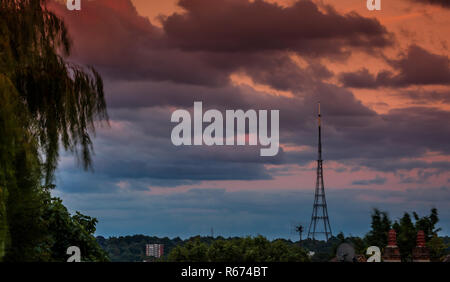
[320, 212]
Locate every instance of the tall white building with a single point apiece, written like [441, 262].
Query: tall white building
[154, 250]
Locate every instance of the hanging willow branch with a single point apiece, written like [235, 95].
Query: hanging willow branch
[63, 99]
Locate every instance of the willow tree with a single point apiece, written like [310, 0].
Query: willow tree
[47, 103]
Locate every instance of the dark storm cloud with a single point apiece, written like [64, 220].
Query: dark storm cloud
[352, 133]
[421, 96]
[241, 25]
[359, 79]
[110, 35]
[137, 49]
[377, 180]
[287, 75]
[386, 142]
[416, 67]
[136, 94]
[443, 3]
[298, 112]
[195, 170]
[153, 158]
[382, 143]
[389, 164]
[149, 71]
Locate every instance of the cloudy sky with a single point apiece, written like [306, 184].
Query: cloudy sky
[382, 77]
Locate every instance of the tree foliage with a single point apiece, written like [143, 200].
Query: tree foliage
[62, 99]
[406, 236]
[46, 103]
[406, 228]
[65, 230]
[257, 249]
[380, 226]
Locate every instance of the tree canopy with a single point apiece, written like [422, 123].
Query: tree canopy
[407, 228]
[249, 249]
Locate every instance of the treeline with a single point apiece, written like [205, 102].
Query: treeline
[132, 248]
[248, 249]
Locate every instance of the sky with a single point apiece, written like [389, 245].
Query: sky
[382, 78]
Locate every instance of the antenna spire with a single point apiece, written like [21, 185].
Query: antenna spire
[320, 213]
[319, 116]
[320, 135]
